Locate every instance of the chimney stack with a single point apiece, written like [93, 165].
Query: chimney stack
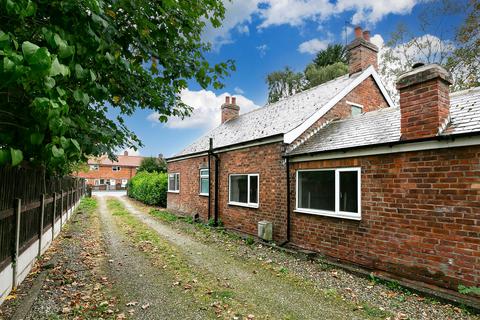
[361, 52]
[125, 153]
[424, 101]
[230, 110]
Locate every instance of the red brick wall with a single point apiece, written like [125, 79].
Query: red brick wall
[189, 200]
[420, 216]
[425, 107]
[367, 94]
[265, 160]
[106, 172]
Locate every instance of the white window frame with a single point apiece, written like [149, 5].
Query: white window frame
[337, 213]
[241, 204]
[97, 182]
[204, 176]
[94, 167]
[169, 186]
[357, 105]
[116, 168]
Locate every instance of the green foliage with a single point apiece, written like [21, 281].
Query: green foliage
[249, 240]
[149, 188]
[332, 54]
[65, 65]
[316, 75]
[211, 223]
[327, 65]
[284, 83]
[87, 205]
[164, 215]
[469, 290]
[152, 164]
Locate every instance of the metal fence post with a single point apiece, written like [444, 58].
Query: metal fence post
[16, 244]
[42, 216]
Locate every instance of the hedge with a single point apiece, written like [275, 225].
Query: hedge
[149, 188]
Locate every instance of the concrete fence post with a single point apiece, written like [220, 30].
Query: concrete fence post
[42, 217]
[61, 211]
[16, 243]
[54, 213]
[68, 204]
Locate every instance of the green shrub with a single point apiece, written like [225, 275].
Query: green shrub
[149, 188]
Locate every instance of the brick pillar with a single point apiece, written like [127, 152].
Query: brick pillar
[424, 101]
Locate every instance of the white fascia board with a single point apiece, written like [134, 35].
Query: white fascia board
[293, 134]
[396, 148]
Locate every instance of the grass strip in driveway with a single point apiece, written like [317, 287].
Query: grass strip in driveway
[246, 288]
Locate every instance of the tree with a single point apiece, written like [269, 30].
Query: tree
[152, 164]
[67, 64]
[332, 54]
[284, 83]
[328, 64]
[458, 52]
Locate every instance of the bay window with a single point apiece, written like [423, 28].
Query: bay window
[174, 182]
[244, 190]
[329, 192]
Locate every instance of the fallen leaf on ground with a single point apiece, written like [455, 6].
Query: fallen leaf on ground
[145, 306]
[132, 304]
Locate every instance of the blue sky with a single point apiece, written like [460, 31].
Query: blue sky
[266, 35]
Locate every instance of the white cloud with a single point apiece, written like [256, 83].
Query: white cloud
[373, 11]
[206, 109]
[262, 50]
[238, 90]
[294, 12]
[238, 14]
[313, 46]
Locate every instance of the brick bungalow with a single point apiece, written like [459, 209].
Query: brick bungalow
[105, 174]
[340, 170]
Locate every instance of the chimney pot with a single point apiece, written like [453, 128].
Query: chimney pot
[125, 153]
[230, 110]
[234, 100]
[227, 99]
[366, 35]
[358, 32]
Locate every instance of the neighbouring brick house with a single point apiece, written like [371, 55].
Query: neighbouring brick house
[105, 174]
[339, 169]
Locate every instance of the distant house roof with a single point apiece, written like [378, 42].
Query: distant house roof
[287, 116]
[125, 161]
[383, 126]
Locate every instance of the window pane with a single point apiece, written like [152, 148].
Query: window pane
[349, 191]
[204, 172]
[204, 185]
[317, 190]
[171, 182]
[177, 181]
[253, 189]
[356, 110]
[238, 188]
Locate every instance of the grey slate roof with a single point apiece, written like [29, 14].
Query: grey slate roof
[383, 126]
[273, 119]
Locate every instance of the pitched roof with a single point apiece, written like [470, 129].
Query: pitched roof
[125, 161]
[383, 126]
[280, 117]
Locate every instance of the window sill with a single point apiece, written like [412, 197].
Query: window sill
[203, 194]
[172, 191]
[239, 204]
[343, 215]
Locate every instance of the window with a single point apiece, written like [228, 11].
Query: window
[355, 108]
[329, 192]
[204, 182]
[244, 190]
[124, 183]
[94, 167]
[174, 182]
[116, 168]
[97, 182]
